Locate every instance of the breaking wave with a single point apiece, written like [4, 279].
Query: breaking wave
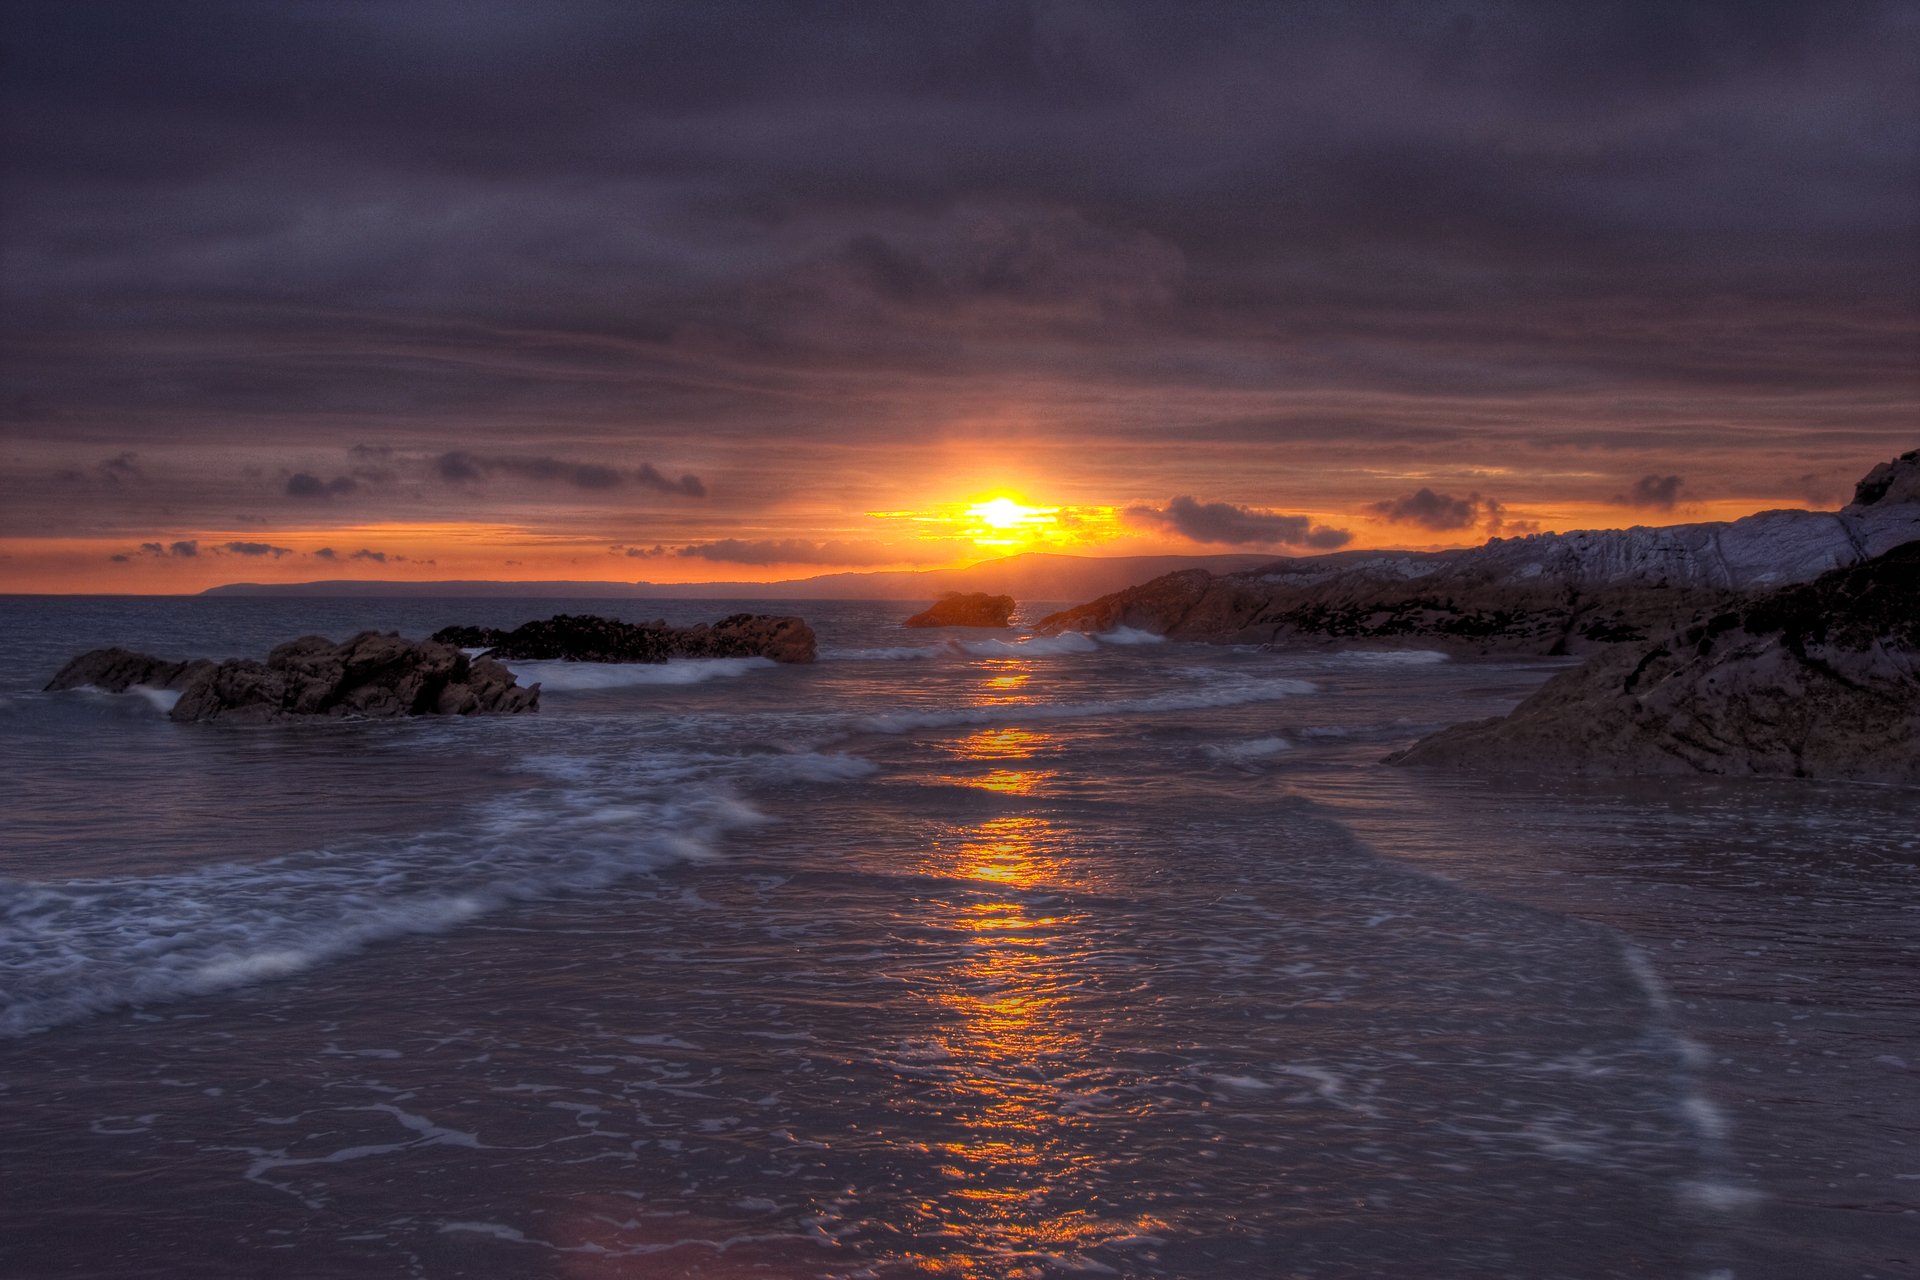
[1026, 712]
[1244, 753]
[567, 677]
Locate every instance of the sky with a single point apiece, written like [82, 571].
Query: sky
[678, 292]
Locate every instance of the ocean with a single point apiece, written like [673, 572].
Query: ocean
[952, 954]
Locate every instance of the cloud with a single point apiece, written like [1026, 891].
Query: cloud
[185, 549]
[302, 485]
[1231, 525]
[688, 484]
[1442, 512]
[1660, 493]
[364, 553]
[460, 467]
[121, 466]
[255, 549]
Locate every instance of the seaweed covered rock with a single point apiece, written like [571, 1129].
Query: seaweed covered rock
[590, 638]
[1818, 680]
[373, 674]
[966, 609]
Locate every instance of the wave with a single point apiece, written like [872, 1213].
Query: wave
[71, 950]
[1394, 657]
[1027, 712]
[569, 677]
[1029, 646]
[890, 653]
[1244, 753]
[1129, 636]
[1062, 644]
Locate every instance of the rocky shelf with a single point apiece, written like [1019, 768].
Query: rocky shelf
[1818, 680]
[589, 638]
[374, 674]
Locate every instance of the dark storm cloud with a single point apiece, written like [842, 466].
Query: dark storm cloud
[1658, 492]
[460, 467]
[741, 222]
[302, 485]
[255, 549]
[1231, 525]
[1442, 512]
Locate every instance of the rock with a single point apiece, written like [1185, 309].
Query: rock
[1547, 593]
[588, 638]
[117, 670]
[965, 609]
[1890, 482]
[370, 675]
[469, 637]
[1818, 680]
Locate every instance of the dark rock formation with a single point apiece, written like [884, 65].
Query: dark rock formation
[1819, 680]
[1546, 593]
[965, 609]
[1890, 482]
[118, 670]
[370, 675]
[587, 638]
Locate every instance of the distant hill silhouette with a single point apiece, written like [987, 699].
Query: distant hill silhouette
[1033, 575]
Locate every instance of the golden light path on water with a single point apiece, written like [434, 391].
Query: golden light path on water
[1007, 1041]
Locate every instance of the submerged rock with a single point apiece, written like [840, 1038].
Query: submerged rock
[373, 674]
[966, 609]
[1820, 680]
[589, 638]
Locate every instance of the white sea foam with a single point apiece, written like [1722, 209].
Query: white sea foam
[1393, 657]
[573, 676]
[69, 950]
[1129, 636]
[887, 653]
[1243, 753]
[1030, 646]
[1228, 695]
[162, 699]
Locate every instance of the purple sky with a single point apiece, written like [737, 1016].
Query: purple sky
[689, 291]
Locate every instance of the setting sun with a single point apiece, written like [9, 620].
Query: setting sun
[1005, 513]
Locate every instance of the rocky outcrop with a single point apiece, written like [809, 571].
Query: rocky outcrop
[1818, 680]
[1890, 482]
[1548, 593]
[373, 674]
[118, 670]
[588, 638]
[965, 609]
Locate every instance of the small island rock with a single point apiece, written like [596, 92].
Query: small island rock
[968, 609]
[589, 638]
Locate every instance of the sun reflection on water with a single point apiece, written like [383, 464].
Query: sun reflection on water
[1015, 1047]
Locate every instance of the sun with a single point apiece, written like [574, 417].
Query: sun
[1004, 522]
[1005, 513]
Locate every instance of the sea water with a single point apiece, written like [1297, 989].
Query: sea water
[954, 953]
